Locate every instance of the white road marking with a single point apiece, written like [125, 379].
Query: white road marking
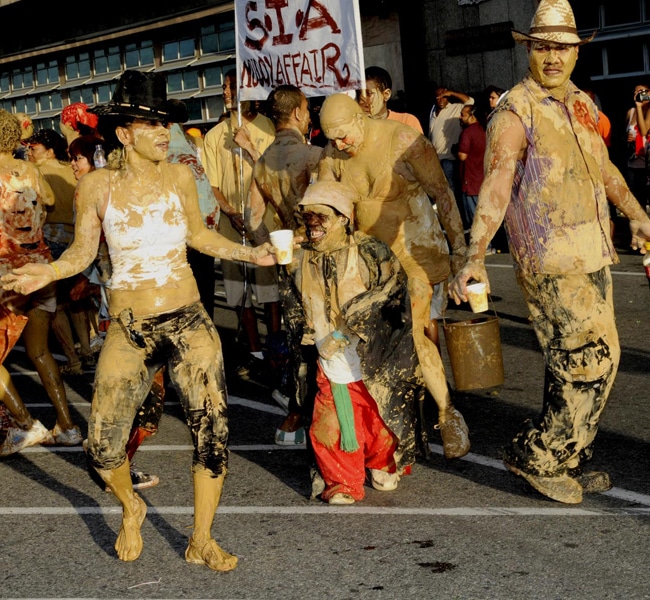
[324, 509]
[484, 461]
[618, 493]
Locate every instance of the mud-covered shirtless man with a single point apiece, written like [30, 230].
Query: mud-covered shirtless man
[394, 170]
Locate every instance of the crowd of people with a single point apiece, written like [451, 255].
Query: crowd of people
[388, 222]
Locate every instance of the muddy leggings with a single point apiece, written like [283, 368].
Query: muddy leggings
[573, 317]
[185, 340]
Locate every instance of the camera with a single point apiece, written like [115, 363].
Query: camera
[642, 96]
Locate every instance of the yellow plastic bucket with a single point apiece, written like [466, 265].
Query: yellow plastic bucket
[474, 349]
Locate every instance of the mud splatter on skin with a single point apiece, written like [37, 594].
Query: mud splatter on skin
[549, 173]
[395, 170]
[24, 194]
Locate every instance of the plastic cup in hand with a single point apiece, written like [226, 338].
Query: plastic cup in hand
[477, 296]
[282, 241]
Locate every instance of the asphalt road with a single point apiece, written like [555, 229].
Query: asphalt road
[464, 529]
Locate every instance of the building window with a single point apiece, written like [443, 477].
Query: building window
[625, 56]
[49, 123]
[181, 81]
[81, 94]
[4, 83]
[6, 105]
[138, 55]
[178, 50]
[22, 79]
[107, 60]
[26, 104]
[214, 106]
[616, 13]
[213, 76]
[77, 66]
[218, 38]
[47, 102]
[194, 107]
[47, 73]
[105, 92]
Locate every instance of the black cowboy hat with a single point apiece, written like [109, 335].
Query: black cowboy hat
[143, 96]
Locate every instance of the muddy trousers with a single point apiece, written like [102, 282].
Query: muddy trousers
[185, 340]
[345, 472]
[573, 318]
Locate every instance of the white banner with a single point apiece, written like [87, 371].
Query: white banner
[313, 44]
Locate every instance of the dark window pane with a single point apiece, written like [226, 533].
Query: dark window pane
[174, 82]
[212, 76]
[215, 106]
[586, 13]
[191, 80]
[622, 13]
[146, 54]
[170, 51]
[625, 56]
[194, 109]
[186, 49]
[227, 40]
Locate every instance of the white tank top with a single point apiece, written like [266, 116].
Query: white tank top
[147, 244]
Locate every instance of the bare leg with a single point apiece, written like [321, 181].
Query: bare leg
[249, 324]
[428, 355]
[10, 398]
[79, 318]
[453, 429]
[129, 541]
[35, 336]
[273, 317]
[63, 331]
[433, 333]
[202, 549]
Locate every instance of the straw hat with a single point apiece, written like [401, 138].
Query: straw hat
[331, 193]
[553, 22]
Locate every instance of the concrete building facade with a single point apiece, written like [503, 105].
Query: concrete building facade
[52, 55]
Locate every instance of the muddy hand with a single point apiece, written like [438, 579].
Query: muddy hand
[473, 270]
[264, 255]
[640, 234]
[28, 278]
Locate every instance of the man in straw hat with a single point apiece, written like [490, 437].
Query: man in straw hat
[149, 212]
[548, 173]
[347, 292]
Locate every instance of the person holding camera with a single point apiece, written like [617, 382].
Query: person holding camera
[638, 126]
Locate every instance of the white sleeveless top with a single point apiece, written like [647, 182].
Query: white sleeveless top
[147, 244]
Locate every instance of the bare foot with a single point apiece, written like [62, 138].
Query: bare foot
[209, 553]
[129, 541]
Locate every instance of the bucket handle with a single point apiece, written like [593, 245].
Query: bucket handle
[492, 309]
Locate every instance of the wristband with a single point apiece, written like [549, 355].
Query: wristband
[57, 272]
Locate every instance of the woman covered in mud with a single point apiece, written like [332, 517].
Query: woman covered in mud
[24, 198]
[149, 213]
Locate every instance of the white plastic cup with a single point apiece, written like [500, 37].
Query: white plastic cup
[477, 296]
[282, 241]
